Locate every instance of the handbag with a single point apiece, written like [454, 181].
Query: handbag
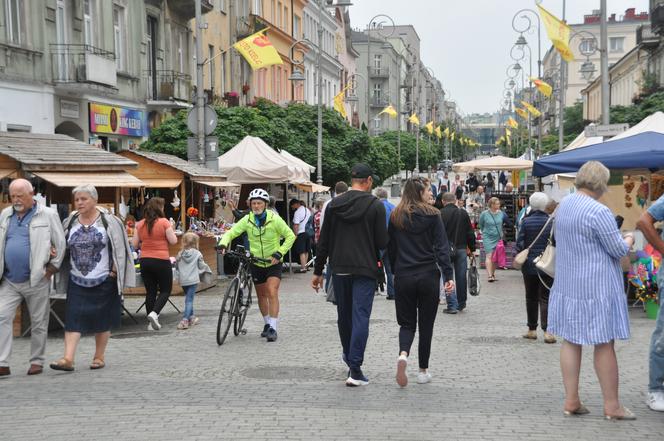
[473, 278]
[546, 262]
[522, 256]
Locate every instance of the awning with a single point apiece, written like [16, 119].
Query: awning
[4, 172]
[161, 183]
[312, 187]
[98, 179]
[216, 183]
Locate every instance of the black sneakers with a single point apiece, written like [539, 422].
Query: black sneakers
[271, 334]
[356, 378]
[265, 329]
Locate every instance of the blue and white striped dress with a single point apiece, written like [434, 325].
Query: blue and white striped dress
[587, 305]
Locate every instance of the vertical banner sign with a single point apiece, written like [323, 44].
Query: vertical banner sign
[117, 120]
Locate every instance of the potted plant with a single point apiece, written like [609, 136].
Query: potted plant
[232, 99]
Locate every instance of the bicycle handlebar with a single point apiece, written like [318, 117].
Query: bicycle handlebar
[246, 255]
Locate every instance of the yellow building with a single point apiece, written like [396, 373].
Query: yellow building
[216, 52]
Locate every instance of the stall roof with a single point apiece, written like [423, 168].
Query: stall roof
[161, 182]
[98, 179]
[493, 163]
[58, 153]
[189, 168]
[216, 183]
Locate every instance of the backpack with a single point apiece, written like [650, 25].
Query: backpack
[309, 227]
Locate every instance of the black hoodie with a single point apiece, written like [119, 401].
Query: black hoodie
[420, 247]
[352, 236]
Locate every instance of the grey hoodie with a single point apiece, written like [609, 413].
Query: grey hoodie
[191, 268]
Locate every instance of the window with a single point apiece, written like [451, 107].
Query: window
[296, 26]
[222, 86]
[88, 21]
[119, 37]
[61, 38]
[14, 16]
[258, 7]
[222, 5]
[279, 15]
[211, 60]
[152, 55]
[285, 19]
[273, 10]
[180, 51]
[587, 46]
[377, 92]
[616, 44]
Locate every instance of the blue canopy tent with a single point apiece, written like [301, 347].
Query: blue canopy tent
[641, 153]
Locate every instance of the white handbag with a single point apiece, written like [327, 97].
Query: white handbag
[522, 256]
[546, 262]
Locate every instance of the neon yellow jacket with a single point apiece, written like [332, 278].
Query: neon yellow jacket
[263, 241]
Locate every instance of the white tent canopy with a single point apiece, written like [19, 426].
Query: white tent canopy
[582, 141]
[491, 163]
[294, 159]
[652, 123]
[253, 161]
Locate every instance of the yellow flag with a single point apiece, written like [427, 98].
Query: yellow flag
[512, 123]
[258, 51]
[429, 127]
[544, 88]
[558, 32]
[439, 133]
[531, 109]
[508, 136]
[339, 103]
[390, 111]
[414, 119]
[452, 136]
[522, 113]
[446, 132]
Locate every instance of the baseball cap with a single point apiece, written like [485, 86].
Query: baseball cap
[361, 171]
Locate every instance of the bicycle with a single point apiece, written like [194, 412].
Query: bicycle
[236, 304]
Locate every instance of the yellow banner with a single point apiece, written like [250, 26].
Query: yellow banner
[532, 109]
[439, 133]
[258, 51]
[429, 127]
[446, 132]
[558, 32]
[522, 113]
[543, 87]
[414, 119]
[339, 103]
[512, 123]
[390, 110]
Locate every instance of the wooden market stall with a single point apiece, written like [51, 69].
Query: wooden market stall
[173, 178]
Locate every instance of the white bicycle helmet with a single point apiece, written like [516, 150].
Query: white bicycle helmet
[259, 193]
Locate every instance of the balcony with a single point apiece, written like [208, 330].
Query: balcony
[379, 72]
[377, 101]
[645, 37]
[82, 63]
[186, 9]
[168, 85]
[657, 18]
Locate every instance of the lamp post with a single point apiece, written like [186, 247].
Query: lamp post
[319, 77]
[378, 26]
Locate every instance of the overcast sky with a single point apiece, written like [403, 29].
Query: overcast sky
[466, 42]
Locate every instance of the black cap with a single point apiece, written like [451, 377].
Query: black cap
[361, 171]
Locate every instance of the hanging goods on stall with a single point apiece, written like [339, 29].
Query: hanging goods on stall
[175, 203]
[123, 208]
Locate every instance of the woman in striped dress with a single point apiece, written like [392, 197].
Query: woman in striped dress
[587, 305]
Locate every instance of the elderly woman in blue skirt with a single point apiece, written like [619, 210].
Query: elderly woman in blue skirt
[97, 267]
[587, 304]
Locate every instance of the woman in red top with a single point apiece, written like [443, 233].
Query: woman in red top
[153, 235]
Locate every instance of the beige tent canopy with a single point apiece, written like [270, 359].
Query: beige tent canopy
[294, 159]
[253, 161]
[493, 163]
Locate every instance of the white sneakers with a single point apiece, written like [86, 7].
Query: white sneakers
[423, 377]
[656, 401]
[153, 318]
[402, 377]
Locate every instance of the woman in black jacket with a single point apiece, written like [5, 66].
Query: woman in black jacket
[417, 248]
[537, 294]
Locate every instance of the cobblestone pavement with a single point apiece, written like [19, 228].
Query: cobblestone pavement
[489, 383]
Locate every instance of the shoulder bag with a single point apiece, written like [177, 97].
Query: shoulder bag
[522, 256]
[473, 277]
[546, 262]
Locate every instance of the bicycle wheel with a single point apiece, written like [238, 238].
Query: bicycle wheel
[242, 313]
[226, 312]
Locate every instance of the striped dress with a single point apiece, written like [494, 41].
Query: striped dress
[587, 305]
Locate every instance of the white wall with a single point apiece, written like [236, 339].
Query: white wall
[26, 106]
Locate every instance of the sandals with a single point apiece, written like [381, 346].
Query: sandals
[97, 363]
[62, 365]
[627, 415]
[581, 410]
[492, 279]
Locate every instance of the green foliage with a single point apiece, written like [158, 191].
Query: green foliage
[635, 113]
[293, 128]
[574, 122]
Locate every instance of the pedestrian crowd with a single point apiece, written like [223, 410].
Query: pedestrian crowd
[422, 249]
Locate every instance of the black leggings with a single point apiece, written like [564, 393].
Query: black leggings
[537, 298]
[157, 277]
[416, 299]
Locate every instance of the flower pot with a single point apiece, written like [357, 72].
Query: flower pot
[652, 309]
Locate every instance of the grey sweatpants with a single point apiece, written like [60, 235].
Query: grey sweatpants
[37, 300]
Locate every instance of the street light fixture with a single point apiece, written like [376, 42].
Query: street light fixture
[587, 70]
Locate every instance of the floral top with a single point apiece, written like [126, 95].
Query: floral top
[89, 253]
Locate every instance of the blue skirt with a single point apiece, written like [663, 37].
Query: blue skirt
[93, 309]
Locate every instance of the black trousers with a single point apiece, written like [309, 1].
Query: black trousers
[416, 301]
[537, 298]
[158, 278]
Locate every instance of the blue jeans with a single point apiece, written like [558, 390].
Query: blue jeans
[355, 296]
[189, 293]
[656, 383]
[460, 262]
[451, 298]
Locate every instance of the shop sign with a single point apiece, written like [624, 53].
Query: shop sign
[117, 120]
[69, 109]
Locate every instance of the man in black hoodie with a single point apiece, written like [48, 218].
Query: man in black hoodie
[352, 236]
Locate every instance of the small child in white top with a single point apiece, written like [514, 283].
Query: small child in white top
[191, 270]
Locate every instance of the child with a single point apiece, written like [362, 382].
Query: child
[191, 269]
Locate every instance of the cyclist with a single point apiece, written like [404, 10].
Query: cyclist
[265, 230]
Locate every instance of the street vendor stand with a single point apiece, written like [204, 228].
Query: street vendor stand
[193, 186]
[55, 164]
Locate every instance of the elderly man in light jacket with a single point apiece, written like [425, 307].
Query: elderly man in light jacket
[32, 246]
